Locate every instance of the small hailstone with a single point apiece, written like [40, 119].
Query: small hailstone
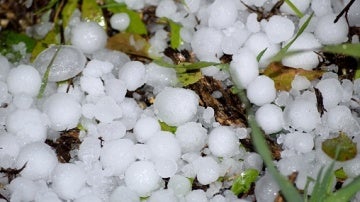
[300, 142]
[90, 149]
[116, 89]
[131, 112]
[142, 152]
[191, 136]
[166, 8]
[261, 90]
[300, 83]
[23, 101]
[67, 180]
[252, 24]
[164, 145]
[68, 63]
[165, 167]
[163, 195]
[111, 131]
[201, 46]
[142, 178]
[159, 77]
[117, 58]
[135, 4]
[277, 23]
[197, 195]
[288, 165]
[266, 189]
[28, 125]
[253, 160]
[331, 91]
[207, 170]
[106, 110]
[92, 85]
[302, 5]
[270, 118]
[145, 128]
[218, 198]
[117, 155]
[96, 68]
[22, 189]
[329, 32]
[180, 185]
[133, 74]
[339, 118]
[89, 37]
[244, 68]
[63, 111]
[124, 194]
[9, 150]
[40, 160]
[24, 79]
[176, 106]
[222, 14]
[4, 68]
[120, 21]
[223, 142]
[302, 114]
[230, 45]
[321, 7]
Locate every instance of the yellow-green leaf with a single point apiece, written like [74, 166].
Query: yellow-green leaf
[283, 75]
[52, 37]
[67, 11]
[129, 43]
[340, 174]
[189, 78]
[166, 127]
[243, 182]
[340, 148]
[91, 11]
[175, 38]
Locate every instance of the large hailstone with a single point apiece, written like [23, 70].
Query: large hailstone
[63, 111]
[270, 118]
[201, 46]
[331, 91]
[276, 23]
[261, 90]
[223, 142]
[329, 32]
[68, 62]
[24, 79]
[164, 145]
[89, 37]
[222, 14]
[176, 106]
[133, 74]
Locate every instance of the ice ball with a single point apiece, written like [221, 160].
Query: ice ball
[120, 21]
[89, 37]
[270, 118]
[24, 79]
[22, 189]
[266, 189]
[207, 170]
[331, 91]
[163, 195]
[329, 32]
[222, 14]
[299, 142]
[166, 8]
[339, 118]
[116, 89]
[279, 29]
[244, 68]
[201, 46]
[180, 185]
[133, 74]
[261, 90]
[9, 150]
[197, 195]
[164, 145]
[223, 142]
[124, 194]
[191, 136]
[111, 131]
[145, 128]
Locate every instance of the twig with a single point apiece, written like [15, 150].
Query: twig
[345, 10]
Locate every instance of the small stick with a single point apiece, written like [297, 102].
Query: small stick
[345, 10]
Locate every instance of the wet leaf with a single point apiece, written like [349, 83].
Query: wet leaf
[52, 37]
[91, 11]
[283, 75]
[343, 144]
[166, 127]
[133, 44]
[175, 38]
[243, 182]
[344, 49]
[67, 11]
[189, 78]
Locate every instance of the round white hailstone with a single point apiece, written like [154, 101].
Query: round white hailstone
[133, 74]
[63, 111]
[163, 195]
[252, 24]
[159, 77]
[9, 150]
[266, 189]
[116, 89]
[176, 106]
[192, 5]
[4, 68]
[117, 155]
[207, 170]
[299, 142]
[244, 68]
[277, 23]
[135, 4]
[124, 194]
[302, 5]
[22, 189]
[353, 14]
[89, 37]
[39, 158]
[97, 68]
[120, 21]
[142, 152]
[302, 114]
[67, 180]
[253, 160]
[89, 150]
[164, 145]
[201, 46]
[305, 60]
[191, 136]
[223, 142]
[68, 63]
[106, 110]
[197, 195]
[291, 164]
[28, 125]
[312, 24]
[92, 85]
[229, 45]
[270, 118]
[24, 79]
[261, 90]
[111, 131]
[352, 167]
[88, 198]
[23, 101]
[321, 7]
[180, 185]
[331, 91]
[142, 178]
[165, 8]
[222, 14]
[329, 32]
[300, 83]
[145, 128]
[339, 118]
[165, 167]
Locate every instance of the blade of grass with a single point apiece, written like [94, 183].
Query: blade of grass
[294, 8]
[175, 38]
[345, 49]
[259, 56]
[345, 193]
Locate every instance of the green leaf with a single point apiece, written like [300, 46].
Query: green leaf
[10, 38]
[340, 174]
[349, 49]
[243, 183]
[294, 8]
[52, 37]
[166, 127]
[323, 184]
[67, 12]
[345, 193]
[175, 38]
[259, 56]
[91, 11]
[136, 26]
[189, 78]
[281, 54]
[347, 148]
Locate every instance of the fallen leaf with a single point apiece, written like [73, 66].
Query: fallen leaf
[283, 75]
[132, 44]
[189, 78]
[342, 144]
[244, 181]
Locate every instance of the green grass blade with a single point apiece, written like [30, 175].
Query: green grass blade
[175, 38]
[259, 56]
[294, 8]
[345, 49]
[345, 193]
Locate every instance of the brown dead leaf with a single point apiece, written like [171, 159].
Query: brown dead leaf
[132, 44]
[283, 75]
